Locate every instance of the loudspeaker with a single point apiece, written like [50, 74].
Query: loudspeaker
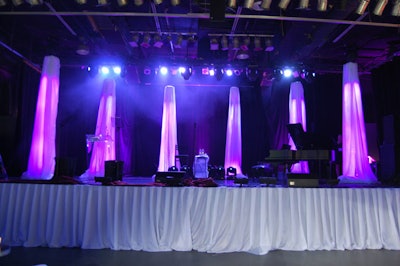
[302, 180]
[387, 162]
[217, 10]
[173, 178]
[113, 170]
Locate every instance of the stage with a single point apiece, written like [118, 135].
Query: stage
[253, 219]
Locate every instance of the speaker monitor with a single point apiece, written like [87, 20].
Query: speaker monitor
[113, 169]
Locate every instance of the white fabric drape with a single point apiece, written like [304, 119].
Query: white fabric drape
[169, 139]
[42, 154]
[103, 149]
[233, 146]
[356, 168]
[222, 219]
[297, 114]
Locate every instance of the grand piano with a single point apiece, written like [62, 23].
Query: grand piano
[317, 150]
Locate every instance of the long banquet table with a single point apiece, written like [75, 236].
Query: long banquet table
[219, 219]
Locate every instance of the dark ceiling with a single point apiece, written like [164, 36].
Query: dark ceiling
[322, 41]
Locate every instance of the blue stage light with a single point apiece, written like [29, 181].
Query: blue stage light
[104, 70]
[117, 70]
[211, 72]
[287, 73]
[164, 70]
[229, 72]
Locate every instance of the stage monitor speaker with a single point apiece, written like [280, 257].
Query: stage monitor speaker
[217, 10]
[113, 170]
[170, 178]
[302, 180]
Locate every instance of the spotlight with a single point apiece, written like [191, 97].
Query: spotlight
[17, 2]
[158, 2]
[304, 4]
[269, 47]
[257, 44]
[135, 40]
[175, 2]
[231, 172]
[157, 41]
[248, 4]
[117, 70]
[34, 2]
[229, 72]
[266, 4]
[146, 40]
[178, 43]
[283, 4]
[287, 73]
[186, 72]
[214, 44]
[232, 3]
[322, 5]
[380, 6]
[102, 2]
[245, 44]
[122, 2]
[224, 43]
[396, 8]
[211, 72]
[362, 7]
[104, 70]
[138, 2]
[163, 70]
[147, 71]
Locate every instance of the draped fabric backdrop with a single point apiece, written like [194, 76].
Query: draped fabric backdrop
[42, 154]
[356, 168]
[297, 114]
[104, 148]
[233, 147]
[169, 140]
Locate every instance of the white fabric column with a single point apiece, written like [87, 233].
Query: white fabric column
[233, 147]
[169, 140]
[356, 168]
[297, 114]
[42, 154]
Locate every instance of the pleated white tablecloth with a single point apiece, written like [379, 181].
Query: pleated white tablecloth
[222, 219]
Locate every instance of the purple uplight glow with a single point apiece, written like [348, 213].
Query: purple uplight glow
[356, 168]
[41, 157]
[104, 149]
[233, 147]
[297, 114]
[169, 138]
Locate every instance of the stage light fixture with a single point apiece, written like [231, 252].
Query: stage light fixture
[102, 2]
[158, 43]
[122, 2]
[146, 39]
[135, 41]
[304, 4]
[147, 71]
[186, 72]
[157, 2]
[104, 70]
[380, 6]
[257, 44]
[214, 46]
[235, 44]
[231, 172]
[211, 72]
[362, 7]
[322, 5]
[287, 72]
[224, 43]
[266, 4]
[178, 43]
[117, 70]
[248, 4]
[396, 8]
[229, 72]
[34, 2]
[232, 3]
[269, 47]
[245, 45]
[163, 70]
[283, 4]
[138, 2]
[17, 2]
[252, 73]
[175, 2]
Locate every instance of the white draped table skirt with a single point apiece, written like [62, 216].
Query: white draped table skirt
[221, 219]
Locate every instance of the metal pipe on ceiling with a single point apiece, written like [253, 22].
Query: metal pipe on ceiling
[201, 16]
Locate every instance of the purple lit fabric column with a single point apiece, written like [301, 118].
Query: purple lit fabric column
[168, 131]
[104, 149]
[297, 114]
[233, 147]
[356, 168]
[43, 151]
